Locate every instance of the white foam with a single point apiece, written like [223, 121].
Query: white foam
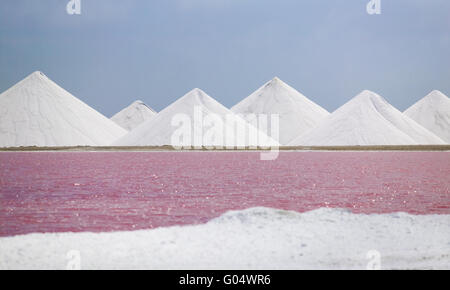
[297, 113]
[367, 119]
[257, 238]
[433, 113]
[37, 112]
[133, 115]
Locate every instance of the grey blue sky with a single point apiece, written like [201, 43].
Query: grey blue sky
[157, 50]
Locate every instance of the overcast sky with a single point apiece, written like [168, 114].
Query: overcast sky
[118, 51]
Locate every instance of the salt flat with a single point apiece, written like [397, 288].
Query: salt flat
[367, 119]
[297, 113]
[433, 113]
[195, 113]
[133, 115]
[256, 238]
[38, 112]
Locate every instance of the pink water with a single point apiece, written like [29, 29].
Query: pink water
[60, 192]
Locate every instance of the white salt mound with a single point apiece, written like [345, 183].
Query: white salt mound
[367, 119]
[433, 113]
[133, 115]
[37, 112]
[297, 113]
[195, 105]
[257, 238]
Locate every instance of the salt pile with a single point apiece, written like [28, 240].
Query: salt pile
[256, 238]
[37, 112]
[297, 113]
[367, 119]
[196, 113]
[433, 113]
[133, 115]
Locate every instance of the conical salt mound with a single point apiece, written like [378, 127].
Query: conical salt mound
[133, 115]
[37, 112]
[193, 119]
[433, 113]
[367, 119]
[297, 113]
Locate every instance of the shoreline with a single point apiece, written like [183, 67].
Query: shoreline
[406, 148]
